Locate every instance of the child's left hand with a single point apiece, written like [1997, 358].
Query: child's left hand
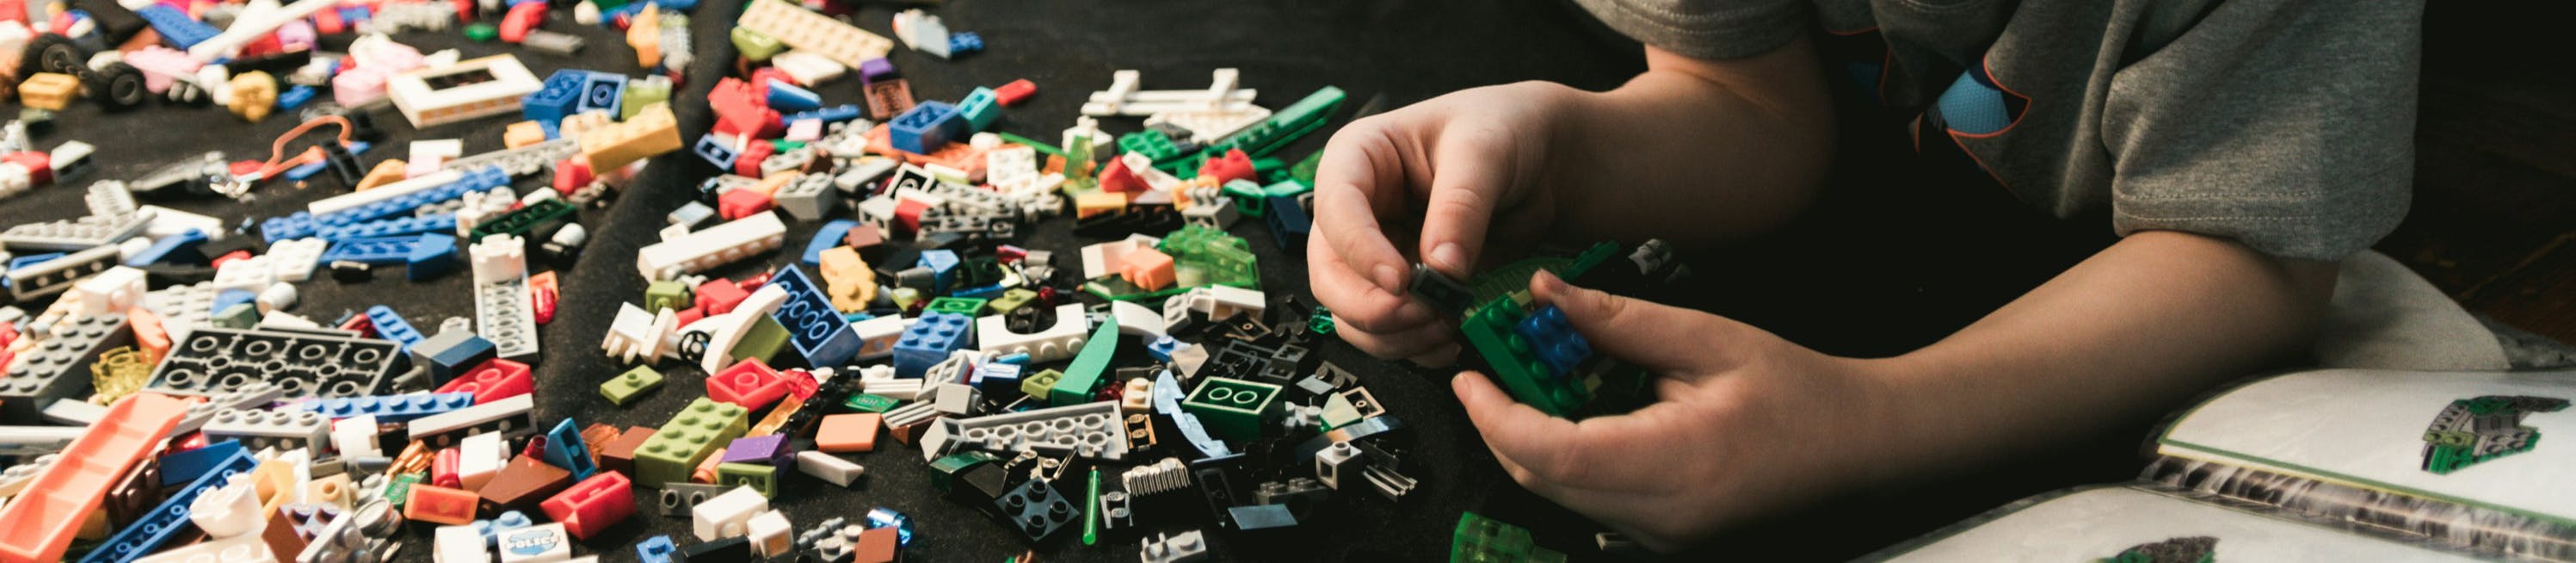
[1746, 422]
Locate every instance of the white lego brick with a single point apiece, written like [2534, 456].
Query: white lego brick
[516, 406]
[114, 290]
[168, 222]
[435, 151]
[108, 197]
[294, 259]
[503, 81]
[804, 29]
[355, 436]
[69, 156]
[727, 515]
[807, 67]
[1122, 97]
[1184, 547]
[901, 389]
[505, 315]
[1057, 342]
[728, 329]
[770, 534]
[637, 335]
[228, 510]
[1136, 320]
[480, 458]
[74, 234]
[237, 549]
[499, 258]
[542, 543]
[718, 245]
[1225, 300]
[282, 319]
[249, 274]
[1211, 124]
[459, 544]
[954, 399]
[353, 200]
[278, 297]
[828, 467]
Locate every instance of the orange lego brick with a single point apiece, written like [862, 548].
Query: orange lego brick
[1148, 268]
[854, 432]
[387, 172]
[33, 527]
[432, 503]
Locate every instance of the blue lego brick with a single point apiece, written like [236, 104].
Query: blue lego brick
[657, 549]
[377, 250]
[565, 449]
[390, 408]
[713, 148]
[294, 97]
[305, 171]
[668, 5]
[554, 130]
[181, 467]
[175, 27]
[299, 225]
[151, 529]
[1162, 347]
[559, 96]
[162, 248]
[925, 128]
[996, 378]
[1553, 339]
[824, 239]
[491, 528]
[32, 259]
[942, 264]
[980, 108]
[1288, 223]
[834, 114]
[391, 326]
[450, 353]
[355, 14]
[964, 43]
[1018, 359]
[604, 91]
[788, 97]
[929, 340]
[227, 298]
[476, 180]
[813, 326]
[400, 226]
[431, 256]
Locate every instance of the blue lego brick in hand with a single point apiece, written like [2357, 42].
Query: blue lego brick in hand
[603, 91]
[391, 326]
[787, 97]
[391, 408]
[712, 147]
[980, 108]
[925, 128]
[559, 96]
[929, 340]
[175, 26]
[565, 449]
[834, 114]
[825, 239]
[400, 226]
[432, 255]
[813, 326]
[1553, 339]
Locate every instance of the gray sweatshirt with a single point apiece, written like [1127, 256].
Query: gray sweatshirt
[2286, 125]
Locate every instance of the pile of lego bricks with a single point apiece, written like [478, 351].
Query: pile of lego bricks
[1148, 364]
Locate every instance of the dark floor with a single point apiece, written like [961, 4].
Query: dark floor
[2494, 222]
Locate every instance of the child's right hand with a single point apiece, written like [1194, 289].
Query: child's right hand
[1459, 167]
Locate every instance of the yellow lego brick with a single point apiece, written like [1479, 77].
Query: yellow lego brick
[1096, 202]
[387, 172]
[847, 279]
[651, 132]
[522, 134]
[47, 90]
[254, 95]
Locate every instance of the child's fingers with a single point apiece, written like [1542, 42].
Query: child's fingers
[1662, 338]
[1465, 191]
[1363, 304]
[1359, 179]
[1419, 341]
[1542, 446]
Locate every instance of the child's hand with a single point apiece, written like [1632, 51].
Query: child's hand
[1450, 165]
[1746, 423]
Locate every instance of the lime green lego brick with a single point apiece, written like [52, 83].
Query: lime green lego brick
[755, 45]
[1207, 256]
[1083, 377]
[870, 403]
[1484, 540]
[761, 478]
[640, 95]
[666, 295]
[627, 386]
[968, 306]
[1030, 143]
[1233, 409]
[692, 434]
[1010, 300]
[1036, 385]
[765, 338]
[1247, 196]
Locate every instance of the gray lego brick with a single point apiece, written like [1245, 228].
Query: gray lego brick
[520, 161]
[53, 276]
[58, 367]
[74, 234]
[281, 429]
[301, 364]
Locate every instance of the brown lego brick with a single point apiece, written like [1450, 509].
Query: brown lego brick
[878, 546]
[596, 438]
[619, 455]
[280, 534]
[522, 484]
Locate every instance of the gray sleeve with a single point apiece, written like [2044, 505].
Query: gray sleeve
[2287, 125]
[1705, 29]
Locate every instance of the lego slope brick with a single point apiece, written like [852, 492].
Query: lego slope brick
[303, 364]
[33, 527]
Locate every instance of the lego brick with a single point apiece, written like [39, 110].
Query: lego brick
[73, 234]
[535, 544]
[519, 161]
[523, 483]
[257, 429]
[650, 132]
[770, 449]
[528, 218]
[59, 366]
[815, 327]
[830, 468]
[1093, 430]
[930, 339]
[627, 386]
[1059, 341]
[714, 246]
[451, 353]
[391, 326]
[749, 384]
[32, 526]
[482, 87]
[50, 277]
[758, 477]
[1084, 375]
[159, 525]
[1233, 408]
[508, 417]
[689, 437]
[301, 364]
[1036, 509]
[566, 449]
[809, 31]
[492, 380]
[726, 515]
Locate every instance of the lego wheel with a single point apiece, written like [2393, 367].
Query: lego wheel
[118, 86]
[59, 55]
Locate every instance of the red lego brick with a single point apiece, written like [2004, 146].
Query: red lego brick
[593, 505]
[738, 204]
[800, 384]
[219, 261]
[445, 468]
[40, 166]
[1116, 178]
[432, 503]
[748, 384]
[542, 303]
[520, 19]
[907, 214]
[1233, 166]
[1010, 95]
[753, 153]
[719, 296]
[572, 174]
[690, 315]
[494, 379]
[741, 112]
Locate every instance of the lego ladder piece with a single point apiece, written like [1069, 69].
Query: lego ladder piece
[503, 312]
[36, 526]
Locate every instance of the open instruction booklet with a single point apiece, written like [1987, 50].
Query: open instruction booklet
[2334, 465]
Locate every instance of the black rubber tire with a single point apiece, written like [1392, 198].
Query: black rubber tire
[117, 87]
